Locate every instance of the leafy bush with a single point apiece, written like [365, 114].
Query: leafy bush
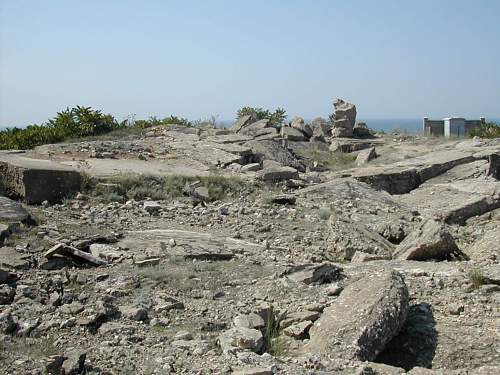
[275, 118]
[486, 130]
[74, 123]
[153, 121]
[70, 123]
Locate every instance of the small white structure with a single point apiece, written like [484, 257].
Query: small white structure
[454, 127]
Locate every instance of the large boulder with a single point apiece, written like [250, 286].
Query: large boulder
[274, 172]
[299, 124]
[431, 240]
[292, 134]
[321, 129]
[242, 122]
[345, 118]
[366, 316]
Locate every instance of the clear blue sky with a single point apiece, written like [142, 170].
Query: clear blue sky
[200, 58]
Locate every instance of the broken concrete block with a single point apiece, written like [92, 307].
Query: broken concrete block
[35, 180]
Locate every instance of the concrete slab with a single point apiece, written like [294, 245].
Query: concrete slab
[36, 180]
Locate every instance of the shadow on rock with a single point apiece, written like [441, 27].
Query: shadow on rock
[416, 343]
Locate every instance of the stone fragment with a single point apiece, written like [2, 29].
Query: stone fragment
[7, 277]
[253, 167]
[284, 199]
[365, 156]
[152, 207]
[274, 172]
[298, 330]
[314, 273]
[239, 338]
[242, 122]
[7, 323]
[252, 320]
[254, 371]
[11, 258]
[134, 313]
[74, 362]
[292, 134]
[430, 240]
[364, 318]
[299, 124]
[298, 317]
[7, 294]
[361, 130]
[65, 250]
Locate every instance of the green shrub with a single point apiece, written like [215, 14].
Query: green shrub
[276, 118]
[70, 123]
[154, 121]
[486, 130]
[77, 122]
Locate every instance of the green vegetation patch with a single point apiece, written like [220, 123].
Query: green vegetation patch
[486, 130]
[135, 186]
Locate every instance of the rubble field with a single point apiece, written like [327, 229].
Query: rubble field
[252, 250]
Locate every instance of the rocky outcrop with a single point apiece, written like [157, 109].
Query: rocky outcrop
[345, 118]
[273, 171]
[274, 150]
[299, 124]
[431, 240]
[366, 316]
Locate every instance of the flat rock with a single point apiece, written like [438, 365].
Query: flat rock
[36, 180]
[406, 175]
[292, 134]
[10, 258]
[454, 202]
[274, 173]
[430, 240]
[364, 318]
[189, 245]
[377, 210]
[14, 212]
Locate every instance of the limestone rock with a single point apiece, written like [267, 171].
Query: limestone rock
[361, 130]
[275, 172]
[430, 240]
[292, 134]
[366, 316]
[299, 124]
[365, 156]
[276, 151]
[345, 118]
[240, 338]
[494, 166]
